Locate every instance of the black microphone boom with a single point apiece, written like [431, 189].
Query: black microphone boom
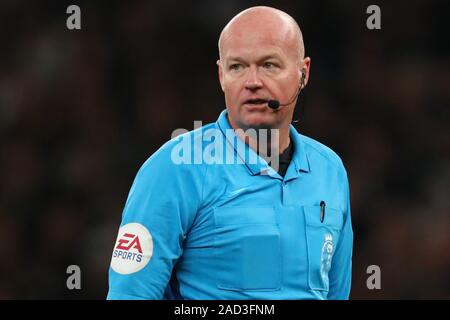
[275, 104]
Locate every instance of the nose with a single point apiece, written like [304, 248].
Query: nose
[253, 81]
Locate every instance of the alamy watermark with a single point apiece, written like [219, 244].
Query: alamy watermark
[212, 146]
[374, 20]
[374, 280]
[74, 20]
[74, 279]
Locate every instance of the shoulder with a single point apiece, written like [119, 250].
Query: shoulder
[320, 152]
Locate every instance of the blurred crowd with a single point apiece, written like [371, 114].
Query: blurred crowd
[81, 110]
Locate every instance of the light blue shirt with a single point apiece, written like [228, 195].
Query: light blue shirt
[235, 230]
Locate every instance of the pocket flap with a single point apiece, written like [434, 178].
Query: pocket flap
[244, 215]
[333, 218]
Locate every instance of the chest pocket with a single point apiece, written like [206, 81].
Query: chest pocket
[247, 249]
[321, 240]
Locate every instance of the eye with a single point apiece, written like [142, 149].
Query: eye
[269, 65]
[235, 66]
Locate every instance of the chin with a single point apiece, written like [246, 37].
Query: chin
[258, 121]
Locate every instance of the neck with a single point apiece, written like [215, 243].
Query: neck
[265, 141]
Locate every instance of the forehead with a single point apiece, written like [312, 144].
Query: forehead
[253, 47]
[250, 40]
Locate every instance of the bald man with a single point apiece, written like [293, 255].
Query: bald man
[246, 207]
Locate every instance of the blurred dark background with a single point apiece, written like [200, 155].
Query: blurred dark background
[80, 111]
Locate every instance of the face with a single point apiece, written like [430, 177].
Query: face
[259, 64]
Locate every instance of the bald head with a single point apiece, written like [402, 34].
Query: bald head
[262, 59]
[263, 22]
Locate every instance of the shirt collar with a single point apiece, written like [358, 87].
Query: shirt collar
[300, 157]
[245, 153]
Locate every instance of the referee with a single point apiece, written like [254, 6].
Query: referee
[211, 215]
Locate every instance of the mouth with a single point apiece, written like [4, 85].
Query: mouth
[256, 103]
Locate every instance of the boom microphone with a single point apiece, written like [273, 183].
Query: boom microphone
[275, 104]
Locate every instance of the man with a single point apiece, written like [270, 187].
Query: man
[205, 228]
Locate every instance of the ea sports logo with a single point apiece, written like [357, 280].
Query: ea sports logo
[128, 242]
[133, 249]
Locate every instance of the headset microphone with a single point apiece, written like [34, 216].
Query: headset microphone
[275, 104]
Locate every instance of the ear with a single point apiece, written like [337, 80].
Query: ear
[220, 73]
[305, 67]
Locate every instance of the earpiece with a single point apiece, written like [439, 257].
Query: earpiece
[302, 80]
